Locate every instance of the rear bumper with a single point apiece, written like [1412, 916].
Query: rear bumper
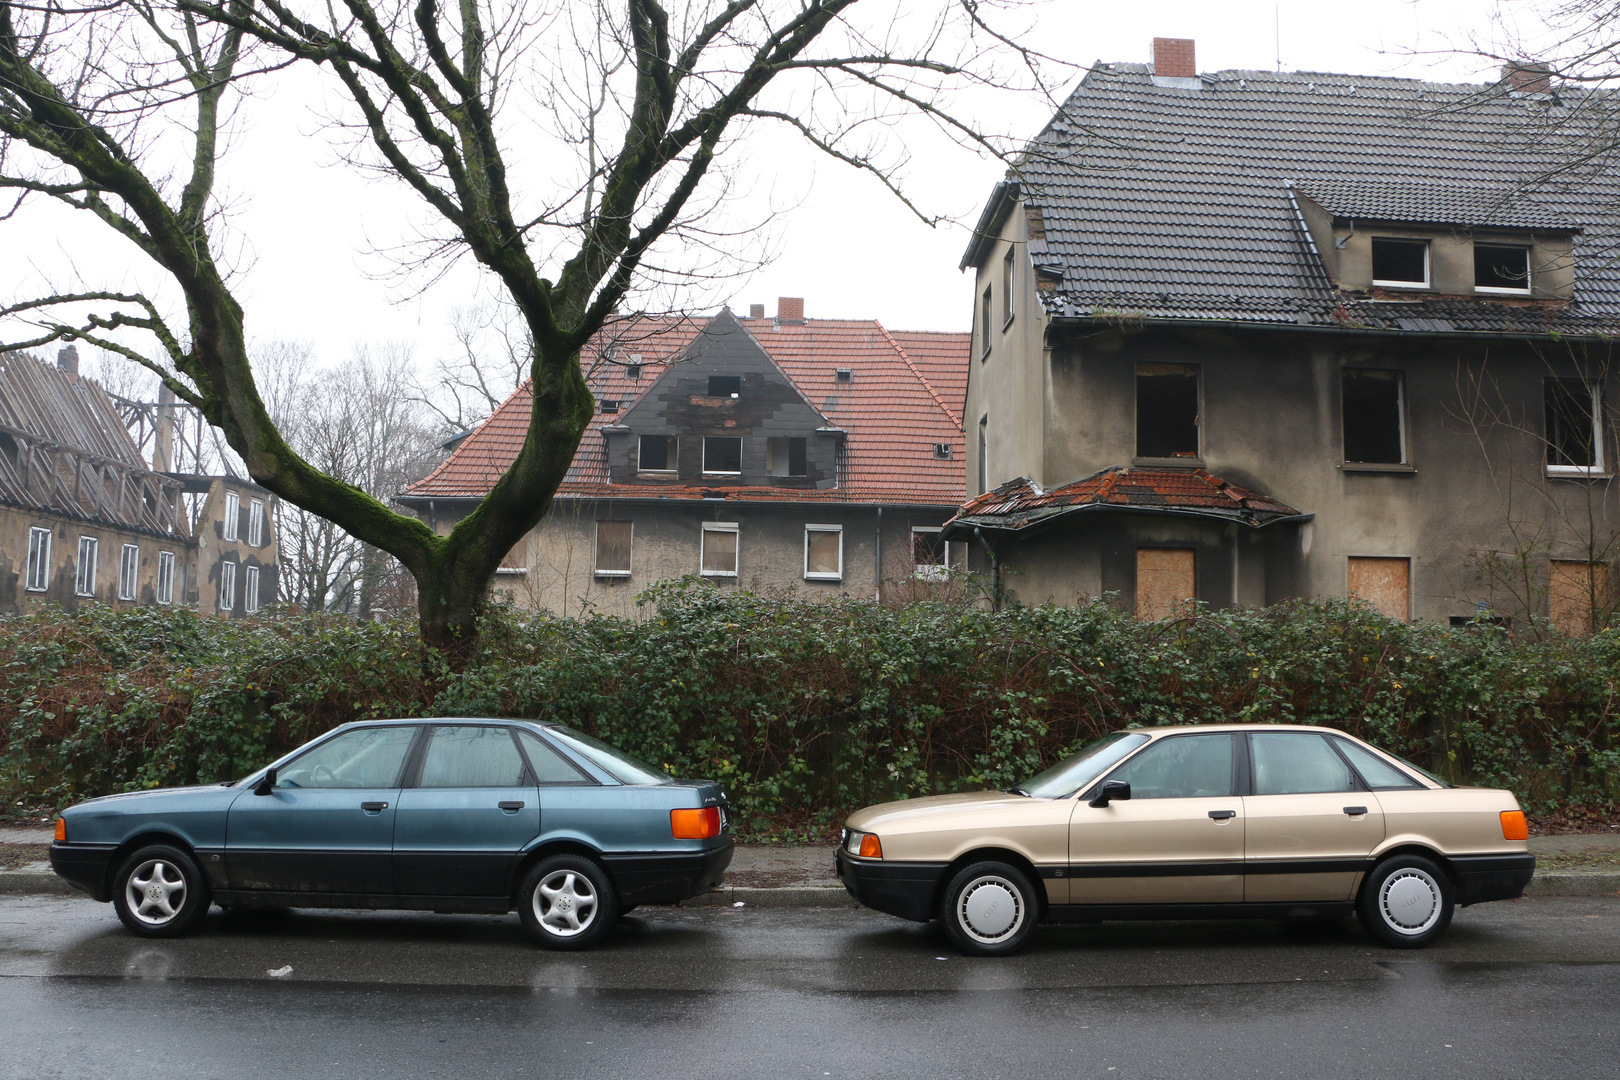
[668, 878]
[903, 889]
[84, 866]
[1491, 877]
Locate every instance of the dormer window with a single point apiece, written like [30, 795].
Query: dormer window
[609, 405]
[1400, 264]
[1501, 268]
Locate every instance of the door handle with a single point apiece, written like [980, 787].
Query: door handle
[1355, 811]
[373, 807]
[1222, 815]
[511, 805]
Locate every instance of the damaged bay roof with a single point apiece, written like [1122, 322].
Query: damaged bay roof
[1175, 202]
[1019, 504]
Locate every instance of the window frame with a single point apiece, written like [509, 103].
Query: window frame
[722, 472]
[1428, 264]
[1599, 466]
[1357, 784]
[1498, 290]
[731, 527]
[728, 395]
[1197, 454]
[250, 589]
[84, 571]
[163, 591]
[596, 555]
[227, 585]
[39, 559]
[822, 575]
[787, 442]
[129, 570]
[986, 307]
[984, 453]
[1007, 270]
[930, 571]
[233, 510]
[418, 759]
[1241, 771]
[256, 523]
[1400, 420]
[671, 453]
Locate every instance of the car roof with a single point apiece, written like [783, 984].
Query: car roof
[1173, 729]
[450, 720]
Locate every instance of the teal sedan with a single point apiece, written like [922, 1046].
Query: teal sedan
[435, 815]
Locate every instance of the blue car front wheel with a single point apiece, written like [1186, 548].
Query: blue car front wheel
[567, 902]
[160, 892]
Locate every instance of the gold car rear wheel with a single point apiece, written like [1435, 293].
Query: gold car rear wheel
[1406, 902]
[989, 909]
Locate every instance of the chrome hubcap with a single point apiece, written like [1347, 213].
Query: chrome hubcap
[990, 909]
[564, 903]
[156, 892]
[1409, 901]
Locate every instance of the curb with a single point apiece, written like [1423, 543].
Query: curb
[34, 882]
[1574, 883]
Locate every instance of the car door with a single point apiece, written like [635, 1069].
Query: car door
[1312, 825]
[327, 824]
[1177, 839]
[471, 809]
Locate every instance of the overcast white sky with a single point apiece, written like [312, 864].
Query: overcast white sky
[309, 270]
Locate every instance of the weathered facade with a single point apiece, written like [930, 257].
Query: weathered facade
[1331, 299]
[819, 455]
[84, 520]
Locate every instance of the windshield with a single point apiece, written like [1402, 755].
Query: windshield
[1076, 771]
[616, 763]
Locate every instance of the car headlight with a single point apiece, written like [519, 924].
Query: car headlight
[864, 844]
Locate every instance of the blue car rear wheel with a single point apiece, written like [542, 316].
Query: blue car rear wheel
[567, 902]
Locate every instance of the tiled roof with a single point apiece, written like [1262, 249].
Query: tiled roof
[1018, 503]
[906, 394]
[1501, 206]
[1171, 202]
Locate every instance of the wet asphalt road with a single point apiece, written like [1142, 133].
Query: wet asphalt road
[1524, 989]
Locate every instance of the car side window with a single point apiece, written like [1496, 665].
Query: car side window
[1297, 763]
[1181, 767]
[471, 756]
[363, 758]
[1379, 774]
[549, 766]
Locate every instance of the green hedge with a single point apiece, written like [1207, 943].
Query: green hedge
[807, 710]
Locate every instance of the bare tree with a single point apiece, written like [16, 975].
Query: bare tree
[116, 109]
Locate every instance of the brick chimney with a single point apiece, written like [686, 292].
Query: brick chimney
[756, 311]
[1173, 58]
[67, 359]
[1527, 77]
[790, 309]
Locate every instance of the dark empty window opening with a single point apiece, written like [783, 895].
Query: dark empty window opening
[942, 450]
[722, 454]
[1166, 410]
[610, 405]
[1501, 268]
[844, 374]
[785, 457]
[633, 370]
[927, 549]
[1373, 426]
[1572, 423]
[725, 385]
[1400, 262]
[657, 453]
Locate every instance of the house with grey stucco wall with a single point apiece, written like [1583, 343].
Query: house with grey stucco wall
[1245, 336]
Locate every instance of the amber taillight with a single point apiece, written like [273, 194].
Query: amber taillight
[1514, 826]
[695, 824]
[61, 829]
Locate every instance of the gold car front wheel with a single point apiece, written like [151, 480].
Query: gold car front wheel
[989, 909]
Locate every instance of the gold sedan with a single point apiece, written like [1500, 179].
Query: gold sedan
[1224, 822]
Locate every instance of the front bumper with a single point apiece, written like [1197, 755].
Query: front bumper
[84, 866]
[668, 878]
[895, 888]
[1491, 877]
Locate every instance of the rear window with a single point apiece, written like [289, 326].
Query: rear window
[1379, 774]
[611, 760]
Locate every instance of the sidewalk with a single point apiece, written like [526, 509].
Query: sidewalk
[801, 875]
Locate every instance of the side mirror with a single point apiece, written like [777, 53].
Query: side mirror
[1111, 790]
[266, 783]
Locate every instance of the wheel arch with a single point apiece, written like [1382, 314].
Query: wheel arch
[142, 839]
[1412, 847]
[1009, 856]
[561, 846]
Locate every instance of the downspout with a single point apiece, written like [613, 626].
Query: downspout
[877, 573]
[995, 569]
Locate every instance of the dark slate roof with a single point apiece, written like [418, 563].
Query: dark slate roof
[1500, 206]
[1019, 504]
[1167, 202]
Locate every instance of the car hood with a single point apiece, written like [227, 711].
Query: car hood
[151, 793]
[932, 810]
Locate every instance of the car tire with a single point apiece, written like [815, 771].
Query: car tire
[1406, 902]
[567, 902]
[160, 892]
[989, 909]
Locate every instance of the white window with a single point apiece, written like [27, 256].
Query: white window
[39, 559]
[1401, 264]
[1573, 412]
[129, 566]
[165, 578]
[233, 509]
[984, 453]
[1006, 287]
[1502, 268]
[929, 554]
[250, 589]
[613, 540]
[85, 583]
[255, 523]
[719, 549]
[227, 586]
[823, 552]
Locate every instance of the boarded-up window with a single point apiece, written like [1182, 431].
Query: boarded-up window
[1164, 581]
[1386, 584]
[719, 558]
[613, 548]
[1577, 595]
[1166, 410]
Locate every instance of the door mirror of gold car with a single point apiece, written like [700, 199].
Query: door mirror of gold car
[1111, 790]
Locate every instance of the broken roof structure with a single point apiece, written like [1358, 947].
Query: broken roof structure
[1020, 504]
